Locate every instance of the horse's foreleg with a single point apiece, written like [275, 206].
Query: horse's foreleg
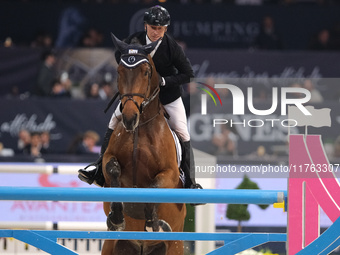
[115, 219]
[151, 218]
[165, 179]
[113, 170]
[152, 223]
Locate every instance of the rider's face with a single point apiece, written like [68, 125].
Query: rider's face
[155, 32]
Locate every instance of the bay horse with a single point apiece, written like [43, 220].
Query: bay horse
[141, 154]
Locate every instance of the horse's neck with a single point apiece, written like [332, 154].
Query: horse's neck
[154, 107]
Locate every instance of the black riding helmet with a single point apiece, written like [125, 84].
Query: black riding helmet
[157, 16]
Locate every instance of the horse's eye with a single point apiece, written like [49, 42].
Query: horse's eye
[146, 73]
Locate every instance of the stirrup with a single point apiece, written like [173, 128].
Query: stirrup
[94, 176]
[87, 176]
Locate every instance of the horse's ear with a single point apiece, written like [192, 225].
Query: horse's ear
[150, 47]
[120, 45]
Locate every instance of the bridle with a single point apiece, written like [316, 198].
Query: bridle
[130, 96]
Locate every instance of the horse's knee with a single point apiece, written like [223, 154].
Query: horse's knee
[113, 168]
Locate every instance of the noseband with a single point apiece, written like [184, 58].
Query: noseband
[136, 60]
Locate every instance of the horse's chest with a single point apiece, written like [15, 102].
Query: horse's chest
[135, 210]
[143, 152]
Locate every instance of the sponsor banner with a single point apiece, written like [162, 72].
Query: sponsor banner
[48, 210]
[64, 119]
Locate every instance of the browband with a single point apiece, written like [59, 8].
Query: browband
[133, 60]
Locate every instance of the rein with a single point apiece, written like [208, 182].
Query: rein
[134, 158]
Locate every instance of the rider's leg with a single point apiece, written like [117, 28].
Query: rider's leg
[96, 175]
[178, 122]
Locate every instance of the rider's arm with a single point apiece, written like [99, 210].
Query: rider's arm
[182, 65]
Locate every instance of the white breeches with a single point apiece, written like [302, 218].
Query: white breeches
[177, 120]
[115, 118]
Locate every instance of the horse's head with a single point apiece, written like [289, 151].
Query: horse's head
[137, 80]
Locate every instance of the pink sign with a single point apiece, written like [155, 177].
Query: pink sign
[311, 185]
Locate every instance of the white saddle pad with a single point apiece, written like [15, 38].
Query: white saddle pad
[179, 155]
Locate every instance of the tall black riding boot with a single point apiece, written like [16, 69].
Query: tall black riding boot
[96, 175]
[188, 167]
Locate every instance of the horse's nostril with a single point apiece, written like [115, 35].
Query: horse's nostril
[131, 122]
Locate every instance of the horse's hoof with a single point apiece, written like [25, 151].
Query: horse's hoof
[151, 226]
[115, 226]
[164, 226]
[121, 226]
[148, 229]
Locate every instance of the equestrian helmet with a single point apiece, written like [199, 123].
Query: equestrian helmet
[157, 16]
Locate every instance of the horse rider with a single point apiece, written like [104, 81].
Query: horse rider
[174, 69]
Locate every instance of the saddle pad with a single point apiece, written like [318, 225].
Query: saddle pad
[179, 155]
[178, 148]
